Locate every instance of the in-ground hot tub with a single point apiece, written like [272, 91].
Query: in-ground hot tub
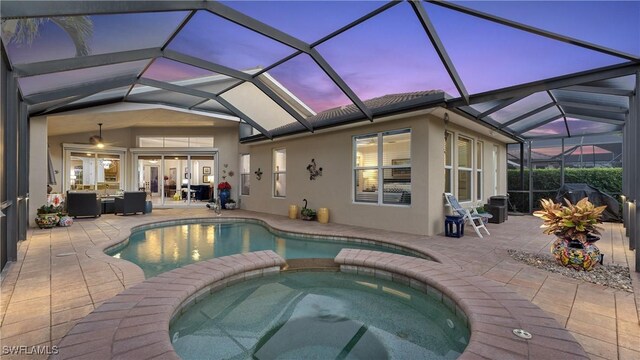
[318, 315]
[161, 247]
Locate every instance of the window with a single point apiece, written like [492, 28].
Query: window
[386, 167]
[464, 177]
[245, 178]
[174, 141]
[94, 171]
[448, 162]
[151, 142]
[465, 168]
[280, 172]
[479, 154]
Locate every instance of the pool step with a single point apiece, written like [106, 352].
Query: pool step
[316, 264]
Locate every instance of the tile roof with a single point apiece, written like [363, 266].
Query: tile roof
[351, 112]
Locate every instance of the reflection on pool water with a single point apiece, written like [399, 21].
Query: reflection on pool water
[318, 315]
[161, 249]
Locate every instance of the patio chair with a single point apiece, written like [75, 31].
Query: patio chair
[470, 216]
[131, 202]
[83, 204]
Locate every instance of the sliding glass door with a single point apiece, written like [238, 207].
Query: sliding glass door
[202, 180]
[176, 179]
[148, 178]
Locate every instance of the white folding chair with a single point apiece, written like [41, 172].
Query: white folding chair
[467, 215]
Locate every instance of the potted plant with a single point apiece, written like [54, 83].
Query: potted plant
[47, 216]
[230, 205]
[224, 190]
[307, 214]
[576, 227]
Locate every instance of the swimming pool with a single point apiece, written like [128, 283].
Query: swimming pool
[163, 247]
[318, 315]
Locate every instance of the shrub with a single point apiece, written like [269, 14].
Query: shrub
[608, 180]
[571, 221]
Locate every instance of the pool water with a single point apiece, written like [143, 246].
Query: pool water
[166, 248]
[318, 315]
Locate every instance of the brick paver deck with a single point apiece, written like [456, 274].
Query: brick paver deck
[61, 276]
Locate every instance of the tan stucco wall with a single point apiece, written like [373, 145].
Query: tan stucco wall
[38, 168]
[333, 152]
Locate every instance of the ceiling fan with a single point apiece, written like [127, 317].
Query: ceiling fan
[97, 139]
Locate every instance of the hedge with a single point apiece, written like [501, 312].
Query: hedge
[608, 180]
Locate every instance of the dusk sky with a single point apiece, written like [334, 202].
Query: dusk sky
[387, 54]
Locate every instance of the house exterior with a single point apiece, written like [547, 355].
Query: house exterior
[475, 152]
[413, 157]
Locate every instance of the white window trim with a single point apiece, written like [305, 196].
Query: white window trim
[469, 169]
[274, 173]
[379, 167]
[242, 173]
[477, 195]
[354, 157]
[495, 156]
[452, 138]
[164, 139]
[479, 147]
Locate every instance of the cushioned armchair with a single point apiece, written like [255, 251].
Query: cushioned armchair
[130, 203]
[202, 192]
[198, 192]
[83, 204]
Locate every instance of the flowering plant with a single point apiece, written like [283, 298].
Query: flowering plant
[224, 186]
[49, 209]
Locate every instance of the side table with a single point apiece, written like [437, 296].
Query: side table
[449, 222]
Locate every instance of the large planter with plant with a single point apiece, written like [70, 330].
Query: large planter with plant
[47, 216]
[576, 227]
[224, 193]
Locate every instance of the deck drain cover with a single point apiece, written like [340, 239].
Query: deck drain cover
[522, 334]
[65, 254]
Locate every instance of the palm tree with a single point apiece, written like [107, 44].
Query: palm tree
[20, 31]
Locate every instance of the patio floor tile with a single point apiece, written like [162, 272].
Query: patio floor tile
[57, 281]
